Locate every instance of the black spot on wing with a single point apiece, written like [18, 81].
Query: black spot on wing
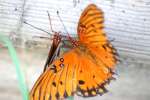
[54, 84]
[80, 71]
[81, 82]
[104, 47]
[53, 68]
[61, 82]
[98, 90]
[93, 76]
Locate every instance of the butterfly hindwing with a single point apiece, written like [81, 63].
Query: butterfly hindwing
[81, 76]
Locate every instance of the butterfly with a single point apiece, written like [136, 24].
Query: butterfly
[85, 69]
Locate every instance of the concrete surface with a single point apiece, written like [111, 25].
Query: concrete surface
[132, 81]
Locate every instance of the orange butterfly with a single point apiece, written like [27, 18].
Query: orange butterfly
[85, 69]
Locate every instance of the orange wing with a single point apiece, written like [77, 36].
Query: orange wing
[91, 34]
[85, 69]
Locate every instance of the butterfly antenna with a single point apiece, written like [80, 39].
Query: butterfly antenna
[64, 26]
[50, 22]
[36, 27]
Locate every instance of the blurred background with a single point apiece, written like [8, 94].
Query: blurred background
[127, 23]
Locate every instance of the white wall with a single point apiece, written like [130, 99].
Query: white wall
[127, 21]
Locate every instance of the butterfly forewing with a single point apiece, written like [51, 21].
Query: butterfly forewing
[91, 34]
[90, 26]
